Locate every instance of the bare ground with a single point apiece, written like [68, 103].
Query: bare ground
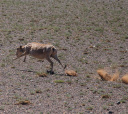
[88, 35]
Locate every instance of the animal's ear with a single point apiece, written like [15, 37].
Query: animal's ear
[21, 48]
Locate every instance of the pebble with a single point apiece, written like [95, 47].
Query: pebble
[110, 112]
[32, 80]
[118, 102]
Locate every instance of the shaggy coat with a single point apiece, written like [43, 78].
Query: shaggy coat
[39, 51]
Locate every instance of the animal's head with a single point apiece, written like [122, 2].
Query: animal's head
[20, 51]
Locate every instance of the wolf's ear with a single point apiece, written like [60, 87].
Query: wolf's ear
[21, 48]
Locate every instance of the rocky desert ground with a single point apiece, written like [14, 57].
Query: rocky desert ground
[88, 34]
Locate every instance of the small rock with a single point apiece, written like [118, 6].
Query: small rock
[24, 102]
[96, 96]
[104, 75]
[125, 79]
[118, 102]
[105, 96]
[110, 112]
[18, 88]
[70, 73]
[31, 80]
[42, 74]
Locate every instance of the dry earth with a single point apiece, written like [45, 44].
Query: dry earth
[89, 34]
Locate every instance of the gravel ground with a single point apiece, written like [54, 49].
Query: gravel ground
[89, 35]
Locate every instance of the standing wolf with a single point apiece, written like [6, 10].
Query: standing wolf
[40, 51]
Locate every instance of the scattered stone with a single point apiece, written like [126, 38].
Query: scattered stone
[24, 102]
[103, 74]
[105, 96]
[110, 112]
[42, 74]
[115, 76]
[38, 91]
[118, 102]
[125, 79]
[70, 73]
[31, 80]
[21, 39]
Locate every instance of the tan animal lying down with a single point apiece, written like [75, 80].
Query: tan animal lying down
[40, 51]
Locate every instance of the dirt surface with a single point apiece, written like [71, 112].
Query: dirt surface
[89, 35]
